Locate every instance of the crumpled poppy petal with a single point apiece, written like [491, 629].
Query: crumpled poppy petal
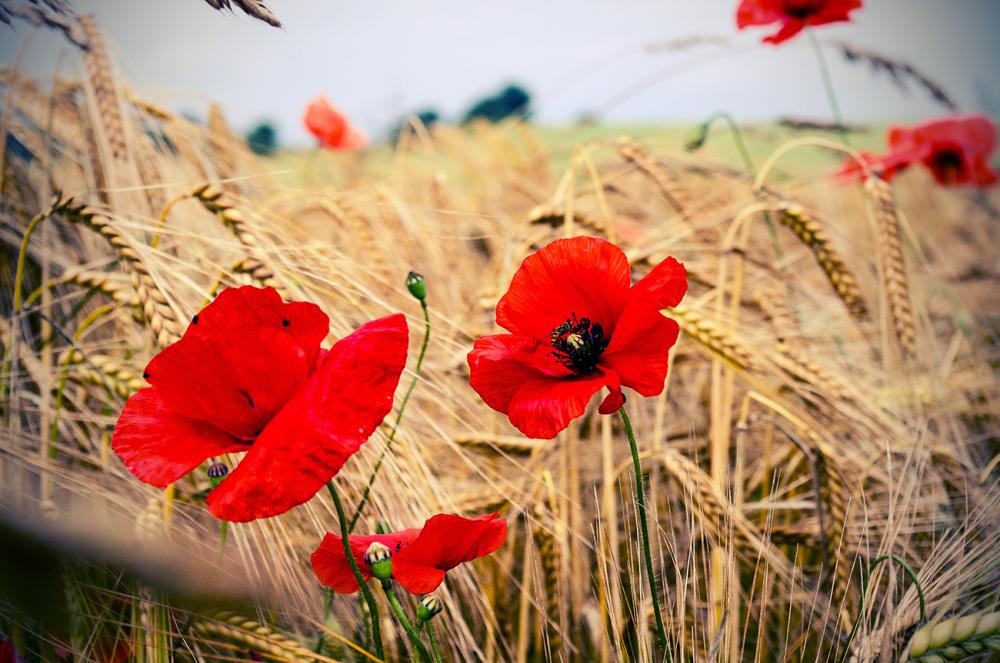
[615, 398]
[159, 446]
[664, 286]
[789, 28]
[500, 364]
[237, 309]
[640, 349]
[236, 379]
[444, 542]
[543, 407]
[330, 563]
[583, 275]
[326, 422]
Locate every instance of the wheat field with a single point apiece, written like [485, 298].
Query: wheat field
[822, 467]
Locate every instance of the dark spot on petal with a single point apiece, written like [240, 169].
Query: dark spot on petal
[398, 546]
[194, 320]
[247, 396]
[145, 376]
[286, 322]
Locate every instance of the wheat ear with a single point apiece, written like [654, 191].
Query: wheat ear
[955, 639]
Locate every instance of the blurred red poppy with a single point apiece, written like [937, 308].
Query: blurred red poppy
[887, 166]
[956, 150]
[576, 326]
[420, 556]
[792, 16]
[249, 375]
[331, 127]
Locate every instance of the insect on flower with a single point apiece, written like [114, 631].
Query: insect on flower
[331, 127]
[249, 375]
[420, 556]
[577, 325]
[792, 16]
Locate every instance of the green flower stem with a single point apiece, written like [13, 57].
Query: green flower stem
[419, 651]
[661, 633]
[432, 638]
[831, 95]
[399, 417]
[365, 589]
[864, 591]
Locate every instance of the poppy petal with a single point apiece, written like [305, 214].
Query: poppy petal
[330, 563]
[615, 398]
[325, 122]
[640, 349]
[543, 407]
[445, 541]
[756, 12]
[238, 309]
[789, 29]
[237, 381]
[309, 440]
[500, 364]
[159, 446]
[664, 286]
[583, 275]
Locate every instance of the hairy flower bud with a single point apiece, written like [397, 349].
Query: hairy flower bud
[415, 284]
[379, 558]
[429, 606]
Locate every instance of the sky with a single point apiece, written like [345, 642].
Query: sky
[380, 60]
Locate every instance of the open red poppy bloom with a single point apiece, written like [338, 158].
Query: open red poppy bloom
[956, 150]
[420, 556]
[792, 16]
[576, 326]
[330, 126]
[249, 375]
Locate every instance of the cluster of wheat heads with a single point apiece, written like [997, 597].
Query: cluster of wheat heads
[832, 401]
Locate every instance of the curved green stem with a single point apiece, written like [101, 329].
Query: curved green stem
[366, 591]
[831, 94]
[419, 651]
[399, 417]
[661, 633]
[864, 591]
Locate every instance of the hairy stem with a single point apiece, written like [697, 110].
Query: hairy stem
[419, 651]
[399, 417]
[366, 592]
[661, 633]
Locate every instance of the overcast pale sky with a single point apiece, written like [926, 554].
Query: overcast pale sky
[380, 60]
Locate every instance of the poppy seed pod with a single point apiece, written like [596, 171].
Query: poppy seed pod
[217, 472]
[379, 558]
[415, 284]
[428, 607]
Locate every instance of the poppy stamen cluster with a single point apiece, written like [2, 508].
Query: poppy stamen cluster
[578, 344]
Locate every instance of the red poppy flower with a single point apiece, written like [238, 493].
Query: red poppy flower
[576, 326]
[331, 127]
[792, 15]
[888, 166]
[249, 375]
[420, 556]
[956, 150]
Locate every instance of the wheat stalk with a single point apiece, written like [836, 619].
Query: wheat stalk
[102, 81]
[678, 196]
[955, 639]
[808, 229]
[716, 340]
[891, 263]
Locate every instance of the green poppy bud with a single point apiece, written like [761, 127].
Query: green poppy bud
[415, 284]
[378, 557]
[429, 606]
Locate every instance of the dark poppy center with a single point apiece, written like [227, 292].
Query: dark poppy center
[578, 344]
[948, 162]
[802, 9]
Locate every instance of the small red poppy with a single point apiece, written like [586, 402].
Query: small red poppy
[576, 326]
[956, 150]
[792, 15]
[887, 166]
[420, 556]
[249, 375]
[331, 127]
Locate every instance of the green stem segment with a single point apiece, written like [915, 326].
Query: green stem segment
[864, 591]
[432, 638]
[366, 591]
[399, 417]
[661, 633]
[419, 651]
[831, 94]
